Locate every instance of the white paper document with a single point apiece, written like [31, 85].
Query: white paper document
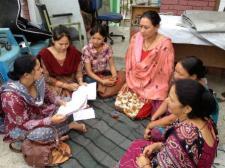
[89, 89]
[79, 99]
[78, 102]
[84, 114]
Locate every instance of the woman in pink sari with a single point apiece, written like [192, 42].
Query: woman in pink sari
[149, 62]
[191, 141]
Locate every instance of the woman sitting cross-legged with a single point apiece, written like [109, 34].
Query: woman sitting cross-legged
[27, 103]
[97, 57]
[189, 67]
[190, 142]
[61, 63]
[149, 67]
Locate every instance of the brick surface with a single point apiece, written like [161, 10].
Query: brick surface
[207, 8]
[183, 2]
[197, 8]
[178, 6]
[198, 3]
[181, 7]
[164, 7]
[212, 4]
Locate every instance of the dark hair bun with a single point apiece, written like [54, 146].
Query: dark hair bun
[12, 75]
[195, 95]
[194, 66]
[22, 65]
[208, 103]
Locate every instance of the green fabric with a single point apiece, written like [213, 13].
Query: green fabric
[106, 140]
[115, 6]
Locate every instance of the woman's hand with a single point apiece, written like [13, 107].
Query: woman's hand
[71, 86]
[152, 148]
[147, 134]
[65, 93]
[61, 102]
[57, 118]
[82, 83]
[143, 162]
[114, 77]
[154, 117]
[108, 82]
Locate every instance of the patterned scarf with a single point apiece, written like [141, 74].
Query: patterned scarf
[20, 89]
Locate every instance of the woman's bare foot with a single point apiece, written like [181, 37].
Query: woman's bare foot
[64, 138]
[78, 127]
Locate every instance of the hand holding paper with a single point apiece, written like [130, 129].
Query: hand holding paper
[79, 99]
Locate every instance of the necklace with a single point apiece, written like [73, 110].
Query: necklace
[146, 47]
[150, 42]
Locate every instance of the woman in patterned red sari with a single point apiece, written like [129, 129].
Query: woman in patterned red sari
[27, 103]
[191, 141]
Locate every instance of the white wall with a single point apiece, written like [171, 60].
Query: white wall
[56, 7]
[222, 5]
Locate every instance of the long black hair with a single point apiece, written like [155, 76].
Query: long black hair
[98, 28]
[153, 16]
[194, 65]
[59, 32]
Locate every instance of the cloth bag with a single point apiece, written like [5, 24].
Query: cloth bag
[131, 104]
[109, 91]
[40, 152]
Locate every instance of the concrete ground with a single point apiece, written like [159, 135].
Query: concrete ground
[9, 159]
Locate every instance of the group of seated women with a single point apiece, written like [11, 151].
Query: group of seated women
[64, 65]
[189, 138]
[39, 85]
